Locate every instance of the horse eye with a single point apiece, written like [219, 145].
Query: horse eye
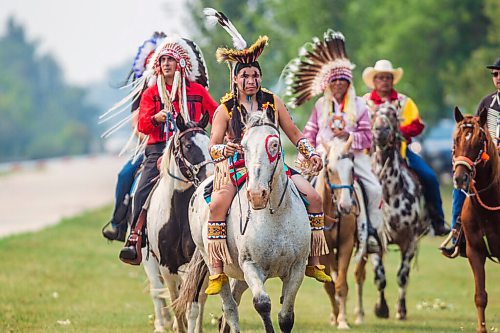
[188, 146]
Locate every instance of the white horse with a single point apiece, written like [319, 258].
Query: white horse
[263, 243]
[185, 163]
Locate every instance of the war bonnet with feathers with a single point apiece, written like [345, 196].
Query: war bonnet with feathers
[318, 64]
[191, 66]
[146, 72]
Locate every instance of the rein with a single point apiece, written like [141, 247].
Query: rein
[243, 228]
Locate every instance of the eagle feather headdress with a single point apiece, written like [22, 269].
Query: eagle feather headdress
[190, 66]
[308, 75]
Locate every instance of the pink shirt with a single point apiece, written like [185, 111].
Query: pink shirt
[318, 128]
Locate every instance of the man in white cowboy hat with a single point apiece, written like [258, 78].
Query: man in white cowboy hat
[491, 103]
[381, 78]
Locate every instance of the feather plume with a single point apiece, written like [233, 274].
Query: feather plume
[244, 56]
[307, 75]
[213, 17]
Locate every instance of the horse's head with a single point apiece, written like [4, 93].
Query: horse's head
[386, 132]
[189, 148]
[262, 147]
[339, 174]
[470, 147]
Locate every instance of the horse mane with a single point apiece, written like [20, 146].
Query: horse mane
[258, 118]
[335, 148]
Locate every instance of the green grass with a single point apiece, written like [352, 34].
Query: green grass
[68, 272]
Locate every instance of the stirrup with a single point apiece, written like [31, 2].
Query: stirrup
[450, 252]
[134, 240]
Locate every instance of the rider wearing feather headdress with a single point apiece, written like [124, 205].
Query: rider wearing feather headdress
[323, 68]
[246, 97]
[177, 78]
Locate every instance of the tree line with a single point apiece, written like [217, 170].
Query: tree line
[41, 116]
[443, 46]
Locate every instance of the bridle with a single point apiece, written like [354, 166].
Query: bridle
[334, 187]
[470, 165]
[271, 179]
[397, 135]
[188, 170]
[467, 162]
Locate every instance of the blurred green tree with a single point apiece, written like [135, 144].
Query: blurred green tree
[442, 45]
[41, 115]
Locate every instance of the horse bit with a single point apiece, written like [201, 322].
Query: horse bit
[188, 170]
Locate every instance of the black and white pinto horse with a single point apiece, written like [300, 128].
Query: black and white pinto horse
[185, 164]
[263, 243]
[404, 213]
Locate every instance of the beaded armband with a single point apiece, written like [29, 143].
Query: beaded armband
[217, 152]
[305, 148]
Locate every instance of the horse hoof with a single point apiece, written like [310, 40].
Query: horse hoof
[359, 320]
[401, 315]
[382, 310]
[333, 320]
[343, 326]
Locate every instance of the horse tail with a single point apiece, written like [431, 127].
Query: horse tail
[192, 284]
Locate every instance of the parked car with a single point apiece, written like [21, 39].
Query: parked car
[437, 145]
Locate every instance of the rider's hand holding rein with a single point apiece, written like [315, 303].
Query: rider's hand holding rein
[316, 163]
[231, 148]
[161, 116]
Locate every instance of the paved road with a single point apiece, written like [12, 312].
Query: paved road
[38, 196]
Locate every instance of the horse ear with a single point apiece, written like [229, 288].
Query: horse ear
[458, 115]
[483, 117]
[181, 124]
[204, 120]
[270, 115]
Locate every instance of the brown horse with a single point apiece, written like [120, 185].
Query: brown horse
[336, 187]
[477, 172]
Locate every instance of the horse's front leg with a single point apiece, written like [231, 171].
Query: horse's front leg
[360, 275]
[291, 285]
[330, 267]
[381, 308]
[345, 249]
[261, 301]
[162, 319]
[407, 254]
[476, 261]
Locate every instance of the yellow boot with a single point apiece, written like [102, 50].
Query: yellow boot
[215, 283]
[318, 272]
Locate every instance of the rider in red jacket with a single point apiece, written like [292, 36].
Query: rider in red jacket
[177, 65]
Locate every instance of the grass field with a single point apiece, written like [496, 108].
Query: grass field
[68, 279]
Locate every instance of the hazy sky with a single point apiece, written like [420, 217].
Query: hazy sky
[88, 37]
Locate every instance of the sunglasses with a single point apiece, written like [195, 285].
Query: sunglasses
[494, 74]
